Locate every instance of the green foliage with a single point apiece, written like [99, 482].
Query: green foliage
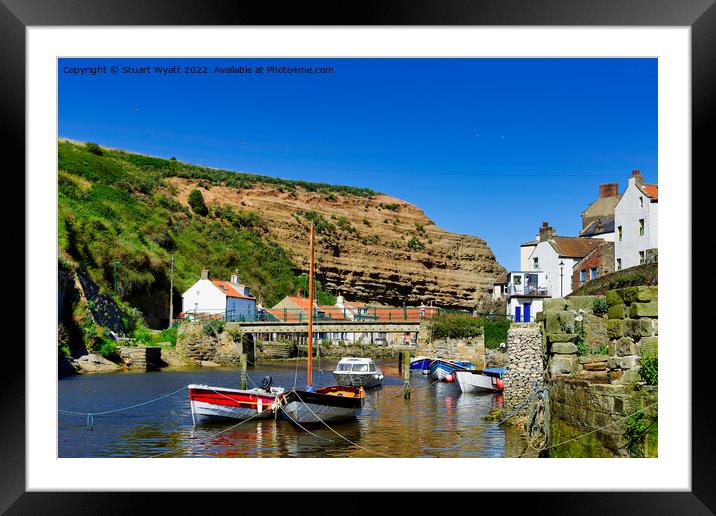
[414, 244]
[116, 207]
[649, 370]
[108, 349]
[583, 347]
[94, 148]
[390, 206]
[456, 326]
[600, 306]
[420, 228]
[366, 221]
[213, 327]
[142, 334]
[196, 201]
[63, 341]
[637, 427]
[496, 331]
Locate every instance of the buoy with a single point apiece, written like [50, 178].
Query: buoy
[500, 384]
[449, 377]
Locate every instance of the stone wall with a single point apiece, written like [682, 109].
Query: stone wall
[593, 363]
[198, 345]
[141, 357]
[525, 363]
[602, 411]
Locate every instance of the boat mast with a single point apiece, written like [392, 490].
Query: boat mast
[310, 309]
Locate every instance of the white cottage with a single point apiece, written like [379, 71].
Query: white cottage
[229, 299]
[636, 221]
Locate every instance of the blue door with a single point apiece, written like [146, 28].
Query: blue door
[527, 306]
[518, 314]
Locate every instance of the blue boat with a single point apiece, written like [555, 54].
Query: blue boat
[440, 368]
[420, 364]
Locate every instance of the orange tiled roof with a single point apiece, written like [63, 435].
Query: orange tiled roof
[229, 290]
[574, 247]
[652, 191]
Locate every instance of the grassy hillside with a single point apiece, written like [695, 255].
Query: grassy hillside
[116, 206]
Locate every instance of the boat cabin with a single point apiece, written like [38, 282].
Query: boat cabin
[356, 365]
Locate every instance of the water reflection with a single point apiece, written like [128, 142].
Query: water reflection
[437, 421]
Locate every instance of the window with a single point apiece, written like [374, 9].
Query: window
[583, 276]
[619, 264]
[535, 263]
[619, 233]
[517, 280]
[641, 257]
[641, 202]
[641, 227]
[594, 272]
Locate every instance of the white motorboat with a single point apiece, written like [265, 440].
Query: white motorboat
[486, 380]
[358, 372]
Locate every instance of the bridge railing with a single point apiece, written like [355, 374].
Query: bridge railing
[365, 314]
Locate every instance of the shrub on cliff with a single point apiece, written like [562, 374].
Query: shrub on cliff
[196, 201]
[94, 148]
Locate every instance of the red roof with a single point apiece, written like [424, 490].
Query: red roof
[228, 289]
[652, 191]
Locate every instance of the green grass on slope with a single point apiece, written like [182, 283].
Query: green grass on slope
[116, 206]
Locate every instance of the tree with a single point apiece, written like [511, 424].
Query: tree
[196, 201]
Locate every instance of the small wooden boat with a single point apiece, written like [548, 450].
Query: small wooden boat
[327, 404]
[421, 364]
[216, 403]
[486, 380]
[440, 369]
[358, 372]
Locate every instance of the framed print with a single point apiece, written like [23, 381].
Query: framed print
[416, 250]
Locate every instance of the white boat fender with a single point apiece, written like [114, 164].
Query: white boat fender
[259, 406]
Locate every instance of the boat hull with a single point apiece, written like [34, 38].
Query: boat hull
[366, 380]
[420, 364]
[218, 403]
[478, 381]
[439, 369]
[305, 407]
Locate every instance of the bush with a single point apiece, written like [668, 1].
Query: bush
[649, 370]
[94, 148]
[108, 349]
[456, 326]
[414, 244]
[600, 306]
[496, 332]
[196, 201]
[213, 327]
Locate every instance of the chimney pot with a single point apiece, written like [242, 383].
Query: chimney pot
[635, 172]
[545, 224]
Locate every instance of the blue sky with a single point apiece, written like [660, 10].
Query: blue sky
[487, 147]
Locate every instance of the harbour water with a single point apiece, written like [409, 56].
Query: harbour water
[437, 421]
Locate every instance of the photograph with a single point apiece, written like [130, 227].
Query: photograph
[358, 257]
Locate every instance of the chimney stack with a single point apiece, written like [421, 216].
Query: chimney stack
[546, 232]
[609, 190]
[204, 273]
[637, 177]
[235, 277]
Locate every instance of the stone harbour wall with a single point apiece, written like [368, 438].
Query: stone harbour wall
[524, 363]
[593, 367]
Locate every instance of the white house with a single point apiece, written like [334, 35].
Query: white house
[526, 291]
[636, 221]
[209, 296]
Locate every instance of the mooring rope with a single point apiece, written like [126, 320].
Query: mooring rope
[492, 426]
[600, 428]
[302, 427]
[90, 415]
[204, 438]
[339, 435]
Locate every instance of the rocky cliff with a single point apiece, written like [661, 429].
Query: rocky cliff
[373, 249]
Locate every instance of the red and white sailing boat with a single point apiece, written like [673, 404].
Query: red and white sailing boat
[215, 403]
[326, 404]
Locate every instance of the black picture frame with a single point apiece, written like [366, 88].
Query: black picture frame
[700, 15]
